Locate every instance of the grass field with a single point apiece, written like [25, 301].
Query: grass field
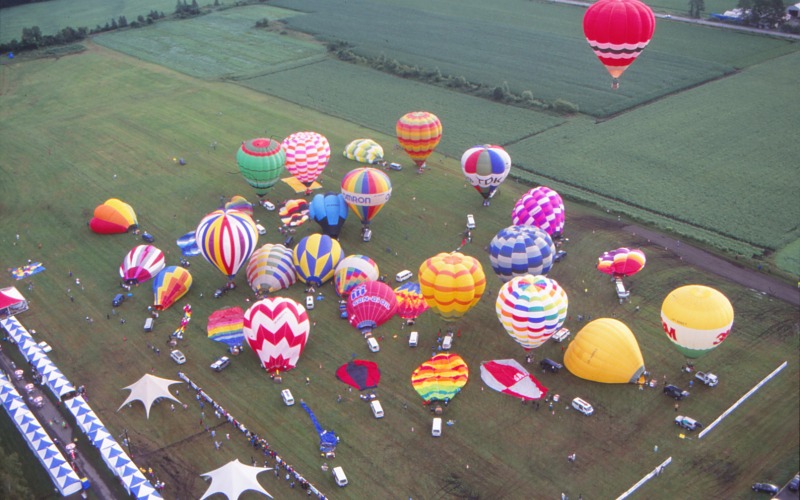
[62, 146]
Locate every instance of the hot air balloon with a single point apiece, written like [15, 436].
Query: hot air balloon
[618, 31]
[307, 155]
[226, 239]
[486, 167]
[277, 330]
[261, 162]
[621, 262]
[241, 204]
[142, 263]
[418, 133]
[541, 207]
[531, 309]
[360, 374]
[696, 319]
[315, 258]
[410, 302]
[227, 326]
[170, 284]
[329, 210]
[440, 378]
[520, 250]
[188, 244]
[605, 350]
[352, 271]
[510, 377]
[451, 283]
[370, 304]
[365, 191]
[364, 151]
[113, 217]
[294, 213]
[270, 269]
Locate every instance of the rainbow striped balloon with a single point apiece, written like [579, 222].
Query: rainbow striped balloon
[440, 378]
[226, 239]
[531, 309]
[352, 271]
[451, 283]
[419, 132]
[307, 155]
[366, 190]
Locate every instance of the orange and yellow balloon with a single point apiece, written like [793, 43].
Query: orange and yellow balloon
[418, 133]
[451, 283]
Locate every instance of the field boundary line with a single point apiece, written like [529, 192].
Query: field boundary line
[742, 399]
[655, 472]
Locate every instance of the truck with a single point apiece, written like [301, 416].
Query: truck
[707, 378]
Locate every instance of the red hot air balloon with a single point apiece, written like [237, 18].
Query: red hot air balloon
[370, 304]
[277, 330]
[618, 31]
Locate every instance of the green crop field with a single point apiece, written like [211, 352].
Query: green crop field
[66, 147]
[217, 45]
[52, 16]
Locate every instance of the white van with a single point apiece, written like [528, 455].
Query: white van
[621, 292]
[582, 406]
[148, 325]
[470, 221]
[373, 344]
[310, 302]
[288, 399]
[436, 427]
[377, 409]
[402, 276]
[339, 477]
[413, 338]
[447, 342]
[261, 229]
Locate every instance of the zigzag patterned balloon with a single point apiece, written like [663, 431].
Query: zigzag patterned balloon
[277, 330]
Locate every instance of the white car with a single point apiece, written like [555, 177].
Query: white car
[268, 205]
[45, 347]
[287, 397]
[178, 357]
[447, 342]
[561, 335]
[221, 364]
[582, 406]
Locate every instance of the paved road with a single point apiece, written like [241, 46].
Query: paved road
[102, 482]
[747, 277]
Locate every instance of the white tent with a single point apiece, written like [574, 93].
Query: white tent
[12, 302]
[233, 479]
[148, 389]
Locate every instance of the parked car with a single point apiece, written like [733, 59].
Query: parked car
[118, 300]
[561, 335]
[147, 237]
[559, 256]
[675, 392]
[794, 483]
[287, 397]
[447, 342]
[687, 423]
[550, 365]
[582, 406]
[765, 488]
[178, 357]
[221, 364]
[267, 205]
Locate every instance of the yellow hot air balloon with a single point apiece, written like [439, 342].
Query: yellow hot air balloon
[696, 319]
[605, 350]
[451, 283]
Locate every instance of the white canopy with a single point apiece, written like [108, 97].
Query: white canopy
[233, 479]
[148, 389]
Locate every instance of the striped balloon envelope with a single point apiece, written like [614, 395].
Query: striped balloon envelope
[618, 31]
[364, 151]
[226, 239]
[366, 190]
[170, 284]
[621, 262]
[485, 167]
[541, 207]
[418, 133]
[520, 250]
[410, 302]
[227, 326]
[270, 269]
[451, 283]
[315, 258]
[113, 216]
[440, 378]
[277, 329]
[352, 271]
[261, 163]
[531, 309]
[141, 263]
[307, 155]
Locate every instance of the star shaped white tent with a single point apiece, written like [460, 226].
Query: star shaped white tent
[233, 479]
[148, 389]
